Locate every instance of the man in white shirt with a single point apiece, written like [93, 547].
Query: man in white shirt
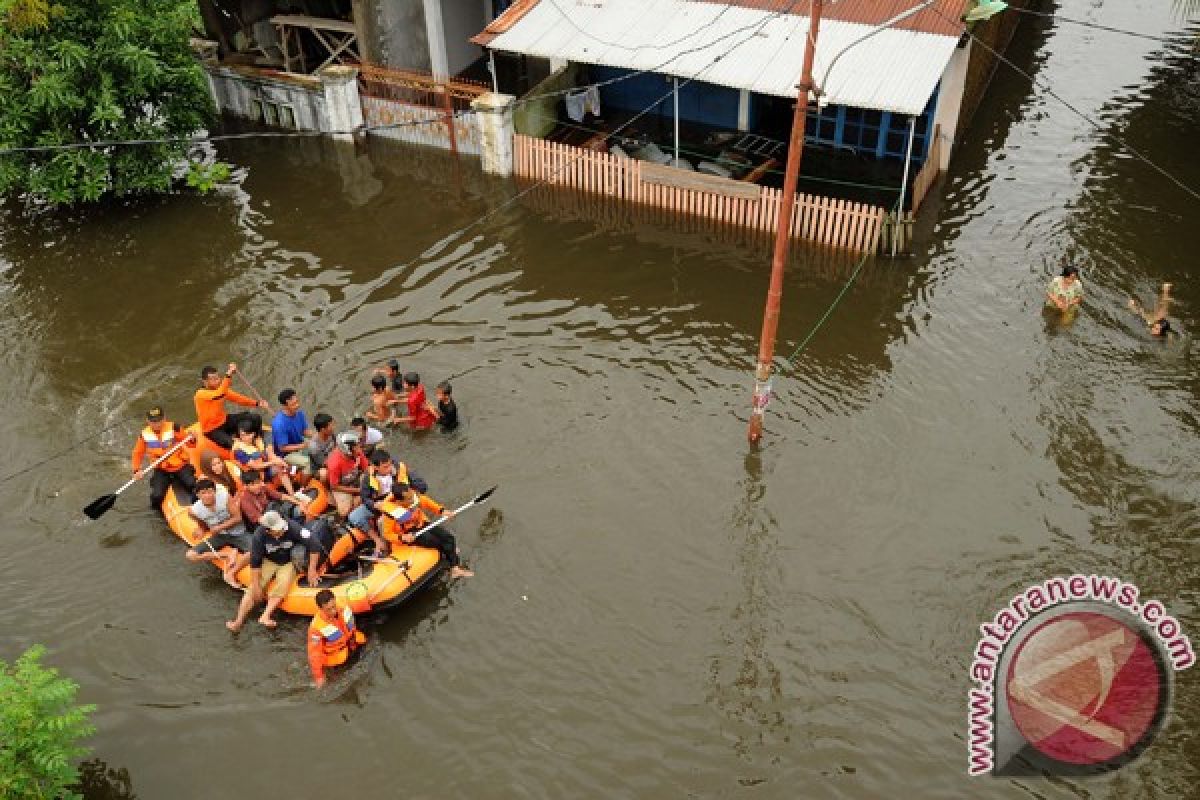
[217, 514]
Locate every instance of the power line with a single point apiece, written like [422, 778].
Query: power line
[1095, 25]
[1082, 115]
[621, 46]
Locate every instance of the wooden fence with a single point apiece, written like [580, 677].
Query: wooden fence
[929, 172]
[825, 220]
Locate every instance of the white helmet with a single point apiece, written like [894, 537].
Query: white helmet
[346, 440]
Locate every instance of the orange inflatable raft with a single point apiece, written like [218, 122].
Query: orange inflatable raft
[384, 584]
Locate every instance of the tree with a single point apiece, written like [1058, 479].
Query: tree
[98, 71]
[39, 727]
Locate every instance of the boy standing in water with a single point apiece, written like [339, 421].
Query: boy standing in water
[420, 414]
[447, 411]
[383, 402]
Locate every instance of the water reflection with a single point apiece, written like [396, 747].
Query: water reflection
[99, 781]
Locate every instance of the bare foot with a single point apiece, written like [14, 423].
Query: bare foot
[461, 572]
[231, 579]
[233, 626]
[267, 622]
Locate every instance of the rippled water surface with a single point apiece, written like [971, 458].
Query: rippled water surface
[656, 612]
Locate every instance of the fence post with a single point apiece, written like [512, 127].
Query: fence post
[343, 109]
[494, 113]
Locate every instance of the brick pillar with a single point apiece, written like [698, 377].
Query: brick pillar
[343, 110]
[495, 114]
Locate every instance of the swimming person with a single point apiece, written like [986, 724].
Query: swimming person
[1156, 321]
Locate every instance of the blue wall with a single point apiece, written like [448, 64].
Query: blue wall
[874, 133]
[698, 102]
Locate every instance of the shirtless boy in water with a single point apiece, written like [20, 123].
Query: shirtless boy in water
[383, 402]
[1157, 320]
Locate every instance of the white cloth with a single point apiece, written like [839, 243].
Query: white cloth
[576, 103]
[584, 101]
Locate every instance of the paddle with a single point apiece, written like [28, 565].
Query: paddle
[98, 507]
[480, 498]
[250, 386]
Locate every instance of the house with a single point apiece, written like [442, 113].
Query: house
[709, 86]
[269, 56]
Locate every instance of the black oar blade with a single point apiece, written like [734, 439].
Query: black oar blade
[100, 505]
[486, 494]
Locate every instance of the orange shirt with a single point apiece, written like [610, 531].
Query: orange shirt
[210, 404]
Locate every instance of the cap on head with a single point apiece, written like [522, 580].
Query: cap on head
[155, 414]
[273, 521]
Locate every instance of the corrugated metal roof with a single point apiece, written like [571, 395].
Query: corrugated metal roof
[941, 18]
[760, 51]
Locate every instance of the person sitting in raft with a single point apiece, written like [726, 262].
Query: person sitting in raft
[415, 512]
[446, 410]
[322, 444]
[278, 549]
[1156, 321]
[250, 453]
[290, 432]
[213, 467]
[217, 513]
[369, 437]
[376, 485]
[344, 470]
[333, 635]
[420, 414]
[383, 403]
[218, 426]
[155, 440]
[256, 496]
[1065, 292]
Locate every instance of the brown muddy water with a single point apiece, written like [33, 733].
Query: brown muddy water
[657, 612]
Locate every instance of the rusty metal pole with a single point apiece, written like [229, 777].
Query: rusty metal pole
[783, 235]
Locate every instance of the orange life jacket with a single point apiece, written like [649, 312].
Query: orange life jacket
[330, 643]
[155, 445]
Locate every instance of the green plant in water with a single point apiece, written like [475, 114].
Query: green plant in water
[40, 727]
[205, 177]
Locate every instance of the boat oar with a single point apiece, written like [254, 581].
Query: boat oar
[98, 507]
[480, 498]
[250, 386]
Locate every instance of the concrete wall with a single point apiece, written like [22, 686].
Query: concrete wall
[950, 101]
[538, 117]
[461, 20]
[393, 33]
[235, 90]
[996, 32]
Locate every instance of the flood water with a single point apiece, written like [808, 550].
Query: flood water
[657, 611]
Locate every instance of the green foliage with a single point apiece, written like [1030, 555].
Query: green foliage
[39, 728]
[204, 177]
[97, 70]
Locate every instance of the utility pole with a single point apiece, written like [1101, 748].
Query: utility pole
[783, 234]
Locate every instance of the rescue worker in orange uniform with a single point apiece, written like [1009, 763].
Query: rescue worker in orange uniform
[159, 436]
[218, 426]
[413, 512]
[332, 634]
